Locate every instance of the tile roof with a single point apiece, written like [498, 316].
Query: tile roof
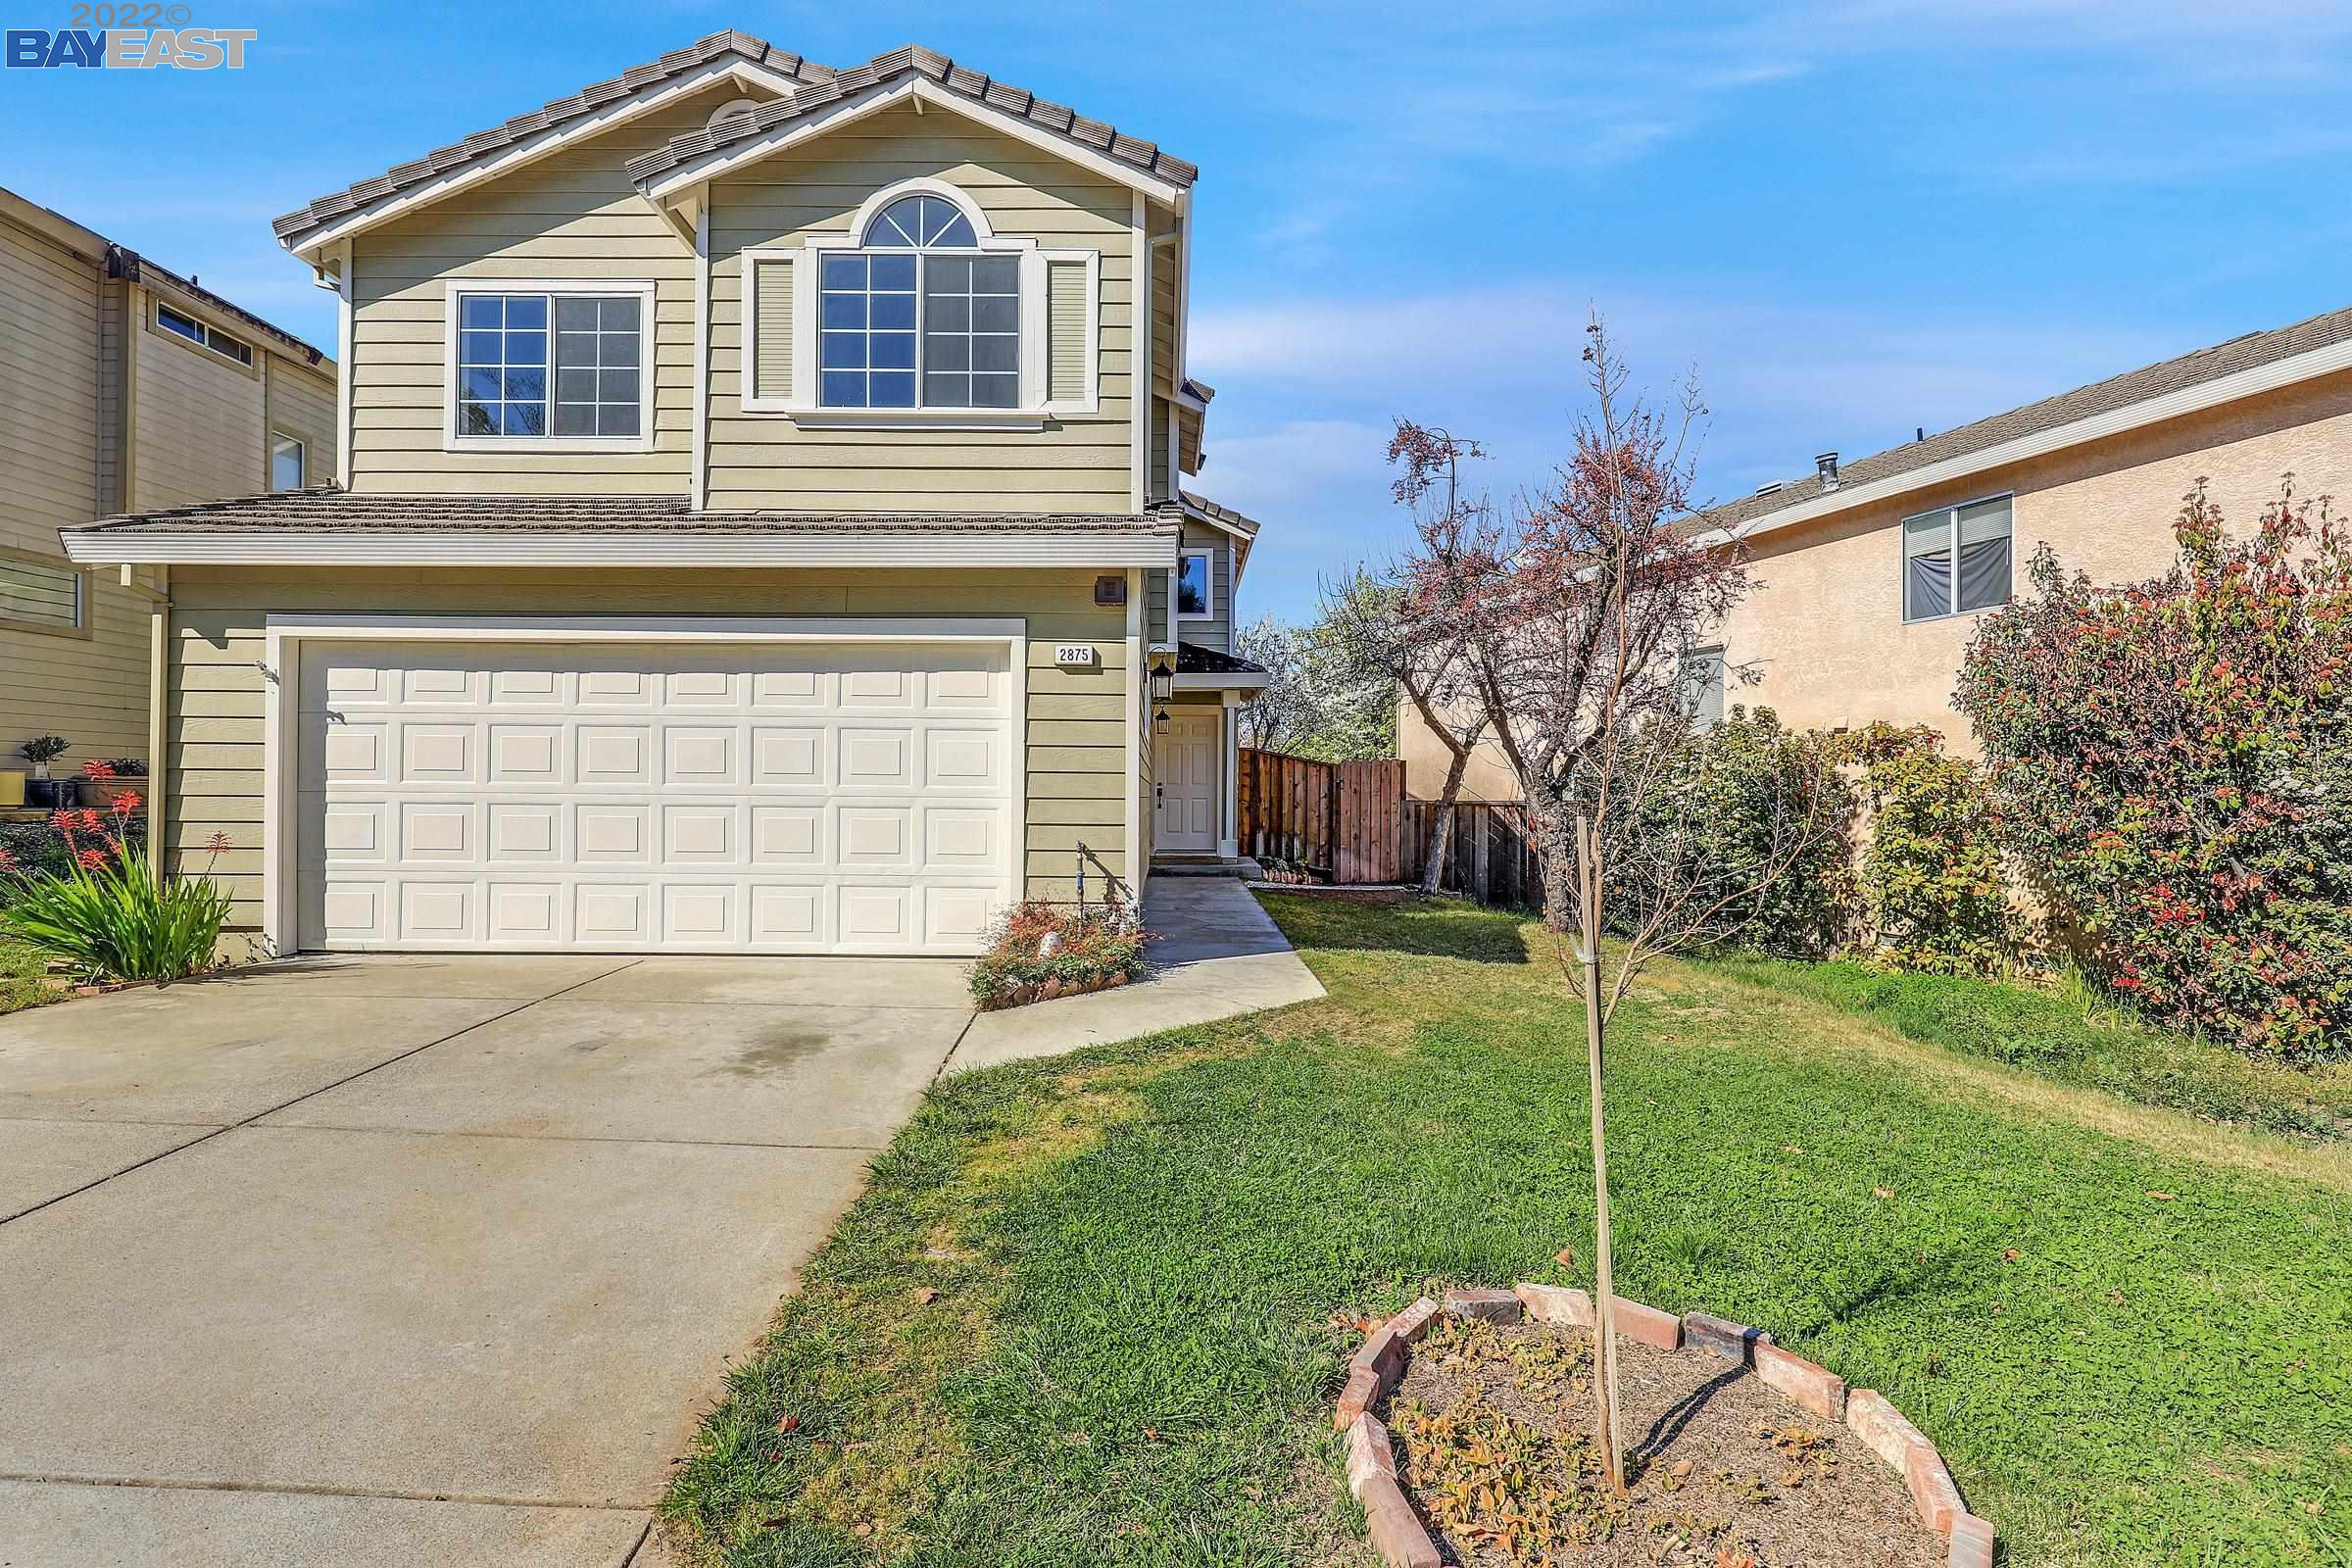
[2243, 352]
[563, 111]
[337, 511]
[914, 60]
[1212, 510]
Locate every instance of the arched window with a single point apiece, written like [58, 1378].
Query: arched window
[919, 316]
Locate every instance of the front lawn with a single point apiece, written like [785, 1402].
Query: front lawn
[1085, 1312]
[22, 982]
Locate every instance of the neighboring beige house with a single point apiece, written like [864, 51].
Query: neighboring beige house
[122, 386]
[1859, 613]
[758, 519]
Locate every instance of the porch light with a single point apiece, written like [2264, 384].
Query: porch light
[1162, 662]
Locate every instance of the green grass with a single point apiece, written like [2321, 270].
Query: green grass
[1139, 1250]
[2073, 1038]
[22, 982]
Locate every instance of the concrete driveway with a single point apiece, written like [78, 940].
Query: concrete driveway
[408, 1260]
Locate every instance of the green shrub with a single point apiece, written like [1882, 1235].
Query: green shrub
[1043, 950]
[1933, 896]
[106, 912]
[2173, 761]
[1746, 804]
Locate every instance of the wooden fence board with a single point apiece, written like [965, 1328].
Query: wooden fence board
[1352, 823]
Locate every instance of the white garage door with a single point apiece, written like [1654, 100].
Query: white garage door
[765, 798]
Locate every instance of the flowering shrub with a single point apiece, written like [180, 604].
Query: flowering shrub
[1932, 894]
[105, 911]
[2174, 758]
[1046, 949]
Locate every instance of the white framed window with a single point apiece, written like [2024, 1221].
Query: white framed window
[1196, 590]
[1957, 559]
[920, 317]
[37, 595]
[285, 461]
[549, 364]
[179, 323]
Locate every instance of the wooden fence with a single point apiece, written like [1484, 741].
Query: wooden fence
[1340, 820]
[1352, 823]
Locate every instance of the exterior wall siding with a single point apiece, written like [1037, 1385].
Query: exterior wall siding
[1076, 717]
[1825, 625]
[89, 685]
[301, 404]
[572, 215]
[1076, 464]
[201, 420]
[1216, 631]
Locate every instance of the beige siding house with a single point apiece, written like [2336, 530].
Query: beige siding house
[122, 387]
[758, 530]
[1872, 575]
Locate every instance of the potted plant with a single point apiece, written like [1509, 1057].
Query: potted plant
[42, 790]
[118, 778]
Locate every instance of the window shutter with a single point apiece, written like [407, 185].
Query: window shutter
[771, 293]
[1066, 331]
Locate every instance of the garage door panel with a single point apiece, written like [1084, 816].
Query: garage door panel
[787, 799]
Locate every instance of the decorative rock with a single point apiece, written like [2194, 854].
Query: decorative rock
[1398, 1534]
[1384, 1352]
[1882, 1426]
[1555, 1303]
[1496, 1306]
[1972, 1541]
[1361, 1395]
[1814, 1387]
[1369, 1456]
[1932, 1493]
[1719, 1336]
[1648, 1325]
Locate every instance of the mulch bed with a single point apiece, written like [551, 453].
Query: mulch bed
[1493, 1432]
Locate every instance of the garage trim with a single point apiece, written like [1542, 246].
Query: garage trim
[281, 672]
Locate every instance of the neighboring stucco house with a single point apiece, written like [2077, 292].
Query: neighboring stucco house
[122, 387]
[1859, 612]
[758, 515]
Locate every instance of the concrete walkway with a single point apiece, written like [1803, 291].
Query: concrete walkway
[388, 1262]
[1220, 955]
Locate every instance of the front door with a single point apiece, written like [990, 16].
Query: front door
[1185, 775]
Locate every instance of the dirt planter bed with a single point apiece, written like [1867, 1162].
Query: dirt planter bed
[1734, 1443]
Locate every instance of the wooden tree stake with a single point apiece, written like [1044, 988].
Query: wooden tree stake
[1604, 1297]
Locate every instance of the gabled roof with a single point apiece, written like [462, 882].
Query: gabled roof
[1212, 511]
[729, 44]
[2050, 417]
[914, 61]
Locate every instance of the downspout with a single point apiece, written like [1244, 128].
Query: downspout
[159, 695]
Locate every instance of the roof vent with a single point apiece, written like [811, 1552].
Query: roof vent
[1772, 489]
[1826, 462]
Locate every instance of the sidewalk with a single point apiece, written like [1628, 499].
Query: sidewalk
[1219, 956]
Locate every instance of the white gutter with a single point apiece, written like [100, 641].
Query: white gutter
[612, 546]
[2132, 416]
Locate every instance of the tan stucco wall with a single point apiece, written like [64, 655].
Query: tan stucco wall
[1076, 721]
[1826, 627]
[1489, 776]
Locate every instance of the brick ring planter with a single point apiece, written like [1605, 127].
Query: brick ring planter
[1403, 1541]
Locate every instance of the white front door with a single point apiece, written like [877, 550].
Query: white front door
[1186, 776]
[611, 796]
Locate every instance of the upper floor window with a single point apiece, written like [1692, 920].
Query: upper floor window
[1191, 585]
[1704, 677]
[1956, 559]
[179, 323]
[285, 462]
[553, 364]
[919, 316]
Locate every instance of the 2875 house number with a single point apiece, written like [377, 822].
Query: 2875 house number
[1074, 655]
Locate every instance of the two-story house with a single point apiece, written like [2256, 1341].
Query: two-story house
[122, 386]
[1871, 576]
[758, 528]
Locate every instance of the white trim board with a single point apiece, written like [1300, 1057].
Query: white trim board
[615, 547]
[721, 161]
[284, 634]
[2230, 388]
[311, 244]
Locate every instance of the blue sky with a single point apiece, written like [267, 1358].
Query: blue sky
[1851, 220]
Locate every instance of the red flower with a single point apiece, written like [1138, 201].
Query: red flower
[218, 844]
[64, 822]
[88, 820]
[92, 859]
[127, 802]
[98, 768]
[8, 859]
